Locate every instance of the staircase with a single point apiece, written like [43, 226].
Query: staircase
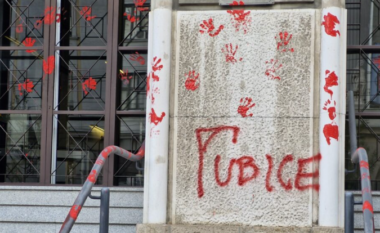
[358, 215]
[26, 209]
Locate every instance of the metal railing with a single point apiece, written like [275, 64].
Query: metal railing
[91, 179]
[358, 156]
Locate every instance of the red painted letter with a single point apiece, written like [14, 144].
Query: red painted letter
[268, 186]
[287, 159]
[300, 175]
[244, 162]
[216, 170]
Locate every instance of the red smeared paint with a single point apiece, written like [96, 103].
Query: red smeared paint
[216, 171]
[330, 109]
[74, 211]
[246, 162]
[271, 69]
[19, 28]
[229, 52]
[99, 161]
[285, 160]
[38, 24]
[283, 41]
[137, 57]
[58, 18]
[364, 164]
[85, 12]
[301, 175]
[49, 15]
[240, 18]
[88, 85]
[329, 22]
[268, 186]
[191, 83]
[92, 176]
[124, 77]
[154, 118]
[48, 65]
[208, 27]
[27, 86]
[331, 131]
[202, 147]
[132, 19]
[365, 176]
[368, 206]
[105, 154]
[139, 5]
[29, 42]
[245, 105]
[331, 80]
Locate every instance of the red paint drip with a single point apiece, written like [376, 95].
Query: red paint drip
[154, 118]
[138, 58]
[301, 175]
[241, 19]
[191, 81]
[27, 86]
[216, 171]
[271, 69]
[48, 65]
[364, 164]
[331, 131]
[74, 211]
[29, 42]
[331, 80]
[86, 13]
[285, 160]
[208, 27]
[19, 28]
[246, 162]
[229, 52]
[268, 186]
[245, 105]
[88, 85]
[330, 109]
[202, 148]
[92, 176]
[367, 206]
[329, 22]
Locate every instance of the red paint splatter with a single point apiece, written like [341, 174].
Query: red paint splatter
[132, 19]
[74, 211]
[365, 176]
[331, 80]
[48, 65]
[105, 154]
[139, 5]
[301, 175]
[49, 15]
[154, 118]
[27, 86]
[229, 52]
[329, 23]
[202, 148]
[19, 28]
[208, 27]
[86, 13]
[92, 176]
[88, 85]
[29, 42]
[124, 77]
[191, 83]
[268, 186]
[283, 41]
[216, 171]
[152, 77]
[137, 57]
[368, 206]
[285, 160]
[330, 109]
[364, 164]
[246, 162]
[240, 18]
[271, 69]
[245, 105]
[331, 131]
[99, 161]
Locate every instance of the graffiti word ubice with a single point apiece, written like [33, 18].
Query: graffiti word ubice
[248, 169]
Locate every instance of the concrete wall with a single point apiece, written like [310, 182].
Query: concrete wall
[234, 162]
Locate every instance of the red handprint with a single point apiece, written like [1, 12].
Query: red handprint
[331, 131]
[48, 65]
[154, 118]
[27, 86]
[329, 23]
[331, 80]
[239, 18]
[230, 53]
[49, 15]
[209, 28]
[156, 66]
[92, 176]
[124, 77]
[137, 57]
[139, 5]
[89, 84]
[191, 81]
[86, 13]
[19, 28]
[272, 68]
[245, 105]
[74, 211]
[284, 40]
[330, 109]
[29, 42]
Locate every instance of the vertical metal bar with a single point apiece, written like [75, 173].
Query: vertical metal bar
[104, 210]
[352, 121]
[349, 213]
